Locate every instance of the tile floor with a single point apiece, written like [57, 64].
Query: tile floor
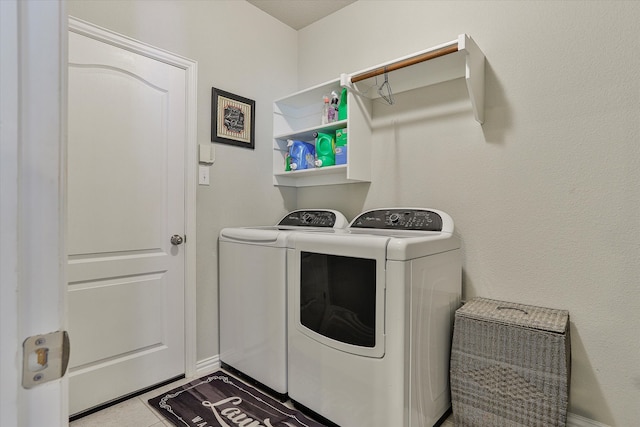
[136, 411]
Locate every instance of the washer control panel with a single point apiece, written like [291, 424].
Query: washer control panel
[399, 219]
[306, 218]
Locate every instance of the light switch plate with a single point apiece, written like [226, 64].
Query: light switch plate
[203, 175]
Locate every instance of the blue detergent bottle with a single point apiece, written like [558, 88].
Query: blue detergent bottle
[302, 155]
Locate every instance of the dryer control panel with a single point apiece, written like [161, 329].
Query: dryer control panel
[399, 219]
[311, 218]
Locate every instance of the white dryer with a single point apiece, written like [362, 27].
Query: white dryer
[252, 294]
[370, 318]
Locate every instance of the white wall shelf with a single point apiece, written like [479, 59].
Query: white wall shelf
[447, 61]
[298, 116]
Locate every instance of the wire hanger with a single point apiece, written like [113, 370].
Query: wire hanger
[384, 90]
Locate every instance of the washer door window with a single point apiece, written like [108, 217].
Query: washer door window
[340, 299]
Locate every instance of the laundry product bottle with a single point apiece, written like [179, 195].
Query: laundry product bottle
[325, 149]
[287, 162]
[302, 155]
[341, 147]
[326, 107]
[333, 107]
[342, 108]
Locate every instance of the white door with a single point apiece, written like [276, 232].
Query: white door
[126, 198]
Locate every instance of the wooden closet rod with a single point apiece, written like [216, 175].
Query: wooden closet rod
[406, 62]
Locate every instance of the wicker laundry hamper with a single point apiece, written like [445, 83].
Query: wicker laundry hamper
[510, 365]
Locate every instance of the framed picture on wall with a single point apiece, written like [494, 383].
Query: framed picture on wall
[233, 119]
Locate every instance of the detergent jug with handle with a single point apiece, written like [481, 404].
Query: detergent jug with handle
[325, 149]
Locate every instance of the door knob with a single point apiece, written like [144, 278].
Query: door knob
[176, 240]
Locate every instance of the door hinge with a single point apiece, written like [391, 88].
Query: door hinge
[44, 358]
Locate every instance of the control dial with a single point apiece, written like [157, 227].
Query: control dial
[394, 218]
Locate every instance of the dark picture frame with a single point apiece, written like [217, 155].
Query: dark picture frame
[233, 119]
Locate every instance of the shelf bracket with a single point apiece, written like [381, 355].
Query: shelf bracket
[474, 74]
[345, 82]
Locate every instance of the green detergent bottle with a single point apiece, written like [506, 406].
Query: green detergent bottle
[342, 109]
[325, 149]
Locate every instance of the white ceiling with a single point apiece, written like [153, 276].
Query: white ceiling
[299, 13]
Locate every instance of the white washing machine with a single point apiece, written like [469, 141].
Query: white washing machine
[370, 318]
[252, 293]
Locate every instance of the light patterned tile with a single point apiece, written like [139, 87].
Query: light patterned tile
[130, 413]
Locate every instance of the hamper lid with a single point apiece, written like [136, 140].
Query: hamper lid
[528, 316]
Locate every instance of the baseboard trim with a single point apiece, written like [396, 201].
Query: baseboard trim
[207, 365]
[574, 420]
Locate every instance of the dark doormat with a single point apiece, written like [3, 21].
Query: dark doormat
[218, 400]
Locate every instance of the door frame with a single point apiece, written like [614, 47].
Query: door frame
[191, 73]
[33, 117]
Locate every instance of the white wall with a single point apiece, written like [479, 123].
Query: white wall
[239, 49]
[545, 194]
